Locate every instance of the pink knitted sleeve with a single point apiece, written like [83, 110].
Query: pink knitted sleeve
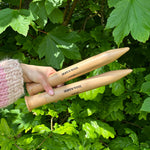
[11, 82]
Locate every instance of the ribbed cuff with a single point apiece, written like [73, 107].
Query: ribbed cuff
[11, 82]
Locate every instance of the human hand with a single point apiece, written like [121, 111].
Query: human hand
[38, 74]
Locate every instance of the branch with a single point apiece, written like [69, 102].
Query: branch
[133, 124]
[42, 31]
[66, 9]
[43, 142]
[102, 12]
[85, 22]
[18, 147]
[20, 4]
[65, 23]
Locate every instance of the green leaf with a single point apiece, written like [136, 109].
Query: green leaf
[147, 78]
[6, 143]
[89, 109]
[75, 110]
[41, 129]
[112, 3]
[132, 147]
[71, 141]
[38, 112]
[132, 108]
[65, 41]
[118, 87]
[50, 5]
[68, 128]
[132, 135]
[116, 115]
[120, 143]
[90, 95]
[95, 128]
[52, 144]
[19, 20]
[143, 115]
[145, 88]
[136, 98]
[146, 105]
[116, 104]
[5, 128]
[38, 11]
[90, 131]
[132, 17]
[47, 48]
[52, 113]
[56, 16]
[25, 140]
[55, 45]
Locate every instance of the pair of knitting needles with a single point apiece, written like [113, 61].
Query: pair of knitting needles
[76, 70]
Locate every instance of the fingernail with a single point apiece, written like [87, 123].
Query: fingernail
[51, 92]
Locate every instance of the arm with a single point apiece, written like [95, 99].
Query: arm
[12, 78]
[11, 82]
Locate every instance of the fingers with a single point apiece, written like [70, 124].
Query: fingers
[50, 71]
[47, 87]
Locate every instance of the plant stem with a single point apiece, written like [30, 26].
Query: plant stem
[65, 23]
[67, 9]
[133, 124]
[18, 147]
[20, 4]
[42, 31]
[43, 142]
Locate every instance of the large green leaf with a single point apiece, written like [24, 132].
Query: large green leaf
[19, 20]
[56, 16]
[50, 5]
[39, 12]
[146, 105]
[57, 44]
[5, 128]
[130, 16]
[120, 143]
[145, 88]
[95, 128]
[47, 48]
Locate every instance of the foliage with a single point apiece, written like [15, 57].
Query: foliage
[59, 33]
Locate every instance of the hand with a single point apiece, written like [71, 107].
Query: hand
[38, 74]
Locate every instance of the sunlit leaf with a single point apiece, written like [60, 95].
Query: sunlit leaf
[97, 127]
[18, 20]
[130, 17]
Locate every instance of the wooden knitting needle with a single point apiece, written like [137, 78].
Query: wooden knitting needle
[75, 88]
[79, 69]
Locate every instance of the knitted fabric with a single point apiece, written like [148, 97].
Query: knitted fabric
[11, 82]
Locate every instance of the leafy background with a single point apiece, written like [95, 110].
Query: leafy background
[59, 33]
